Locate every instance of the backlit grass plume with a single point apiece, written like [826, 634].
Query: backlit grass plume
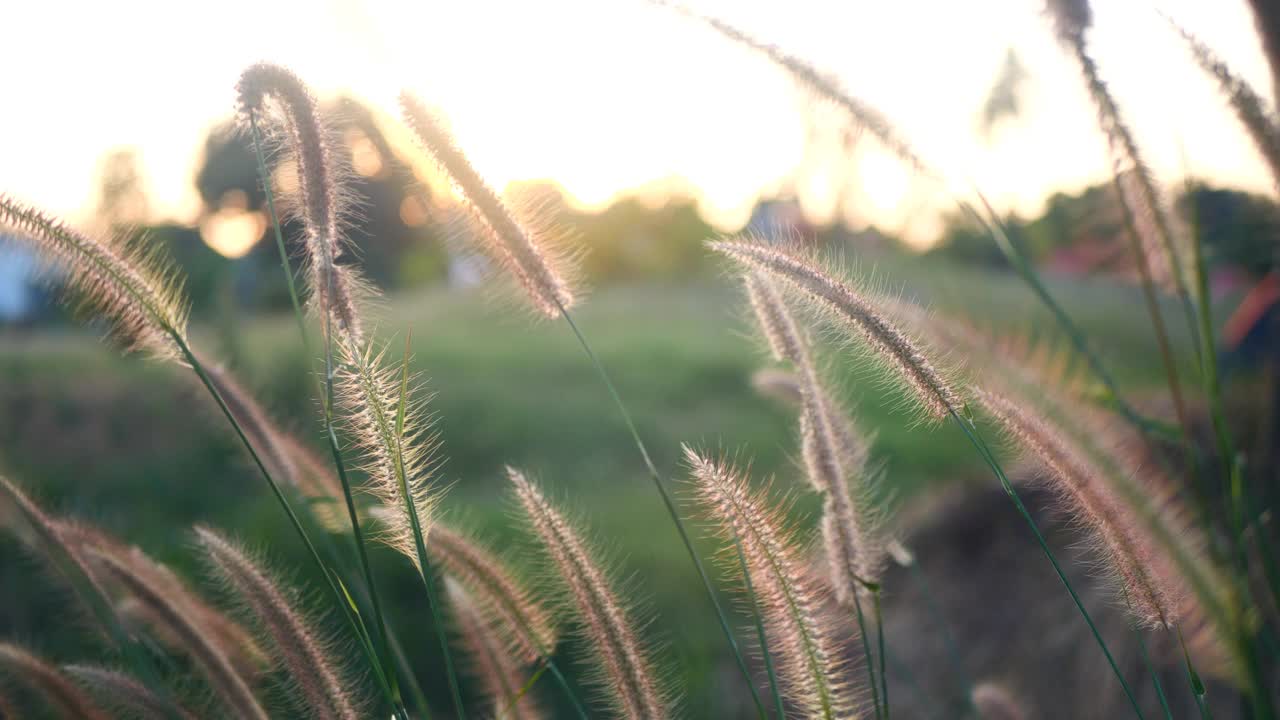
[231, 689]
[232, 640]
[802, 643]
[855, 314]
[315, 682]
[508, 241]
[120, 280]
[866, 116]
[285, 456]
[504, 603]
[323, 204]
[394, 441]
[56, 540]
[1071, 20]
[123, 693]
[58, 692]
[1155, 599]
[1258, 119]
[627, 674]
[499, 672]
[834, 452]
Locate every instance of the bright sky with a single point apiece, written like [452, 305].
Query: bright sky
[606, 96]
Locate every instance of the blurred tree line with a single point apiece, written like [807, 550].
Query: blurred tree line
[1083, 233]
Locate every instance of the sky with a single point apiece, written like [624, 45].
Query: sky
[614, 97]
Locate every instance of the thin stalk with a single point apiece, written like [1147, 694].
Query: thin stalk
[866, 651]
[1193, 678]
[1155, 676]
[564, 685]
[1073, 331]
[667, 501]
[331, 436]
[279, 233]
[970, 430]
[135, 652]
[1157, 321]
[884, 676]
[340, 597]
[764, 642]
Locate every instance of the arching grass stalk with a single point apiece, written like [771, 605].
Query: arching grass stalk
[668, 502]
[89, 592]
[884, 677]
[1193, 678]
[866, 652]
[970, 429]
[1073, 331]
[349, 611]
[330, 435]
[760, 634]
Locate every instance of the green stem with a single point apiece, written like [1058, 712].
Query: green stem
[970, 430]
[884, 676]
[1073, 331]
[339, 596]
[760, 634]
[668, 502]
[1193, 678]
[866, 651]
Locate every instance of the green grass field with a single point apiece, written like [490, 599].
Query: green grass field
[135, 447]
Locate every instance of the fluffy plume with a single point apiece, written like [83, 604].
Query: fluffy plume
[508, 241]
[395, 442]
[57, 540]
[504, 603]
[1137, 186]
[59, 693]
[835, 453]
[335, 288]
[232, 640]
[995, 702]
[319, 689]
[1266, 17]
[284, 455]
[780, 385]
[804, 647]
[229, 686]
[866, 116]
[1156, 601]
[121, 281]
[1257, 118]
[854, 314]
[124, 693]
[628, 674]
[501, 677]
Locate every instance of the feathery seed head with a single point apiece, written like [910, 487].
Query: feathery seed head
[1154, 599]
[628, 676]
[335, 288]
[854, 314]
[1071, 19]
[506, 605]
[508, 241]
[395, 442]
[320, 691]
[129, 286]
[124, 693]
[230, 687]
[499, 672]
[56, 689]
[1259, 121]
[801, 640]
